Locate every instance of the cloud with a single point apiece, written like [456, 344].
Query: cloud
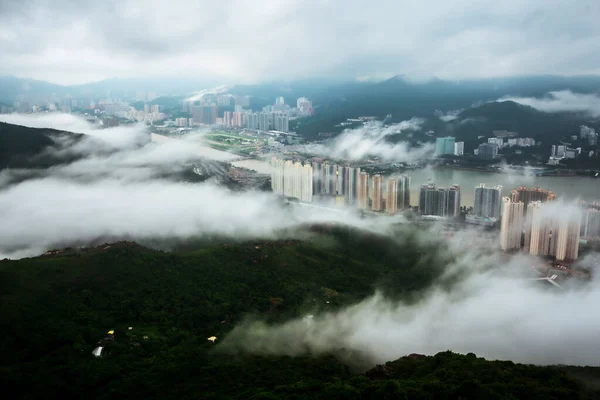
[449, 116]
[495, 310]
[291, 39]
[118, 137]
[126, 193]
[198, 95]
[372, 140]
[562, 101]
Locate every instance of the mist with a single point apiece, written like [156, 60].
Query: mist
[494, 310]
[372, 140]
[562, 101]
[123, 193]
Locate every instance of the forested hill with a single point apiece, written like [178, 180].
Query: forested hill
[56, 308]
[24, 147]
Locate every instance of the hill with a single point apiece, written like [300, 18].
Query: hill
[404, 99]
[24, 147]
[163, 307]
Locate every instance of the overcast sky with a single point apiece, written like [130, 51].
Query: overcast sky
[247, 41]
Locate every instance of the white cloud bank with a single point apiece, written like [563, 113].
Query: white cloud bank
[562, 101]
[121, 193]
[372, 140]
[495, 311]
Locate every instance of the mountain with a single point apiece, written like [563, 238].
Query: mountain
[24, 147]
[161, 308]
[404, 98]
[547, 128]
[34, 90]
[12, 88]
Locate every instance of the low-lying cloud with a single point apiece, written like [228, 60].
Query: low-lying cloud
[371, 140]
[123, 193]
[497, 311]
[562, 101]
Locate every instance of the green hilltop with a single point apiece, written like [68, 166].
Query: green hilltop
[58, 306]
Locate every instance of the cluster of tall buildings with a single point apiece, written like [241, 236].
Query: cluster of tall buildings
[344, 185]
[447, 146]
[273, 117]
[527, 195]
[487, 205]
[264, 121]
[529, 224]
[292, 179]
[439, 201]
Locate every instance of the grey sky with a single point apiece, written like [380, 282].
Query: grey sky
[248, 41]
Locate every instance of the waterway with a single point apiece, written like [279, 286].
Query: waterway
[567, 188]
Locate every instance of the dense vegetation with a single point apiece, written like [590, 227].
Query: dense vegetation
[22, 147]
[56, 308]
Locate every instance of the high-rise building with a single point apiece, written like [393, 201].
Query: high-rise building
[351, 177]
[444, 146]
[363, 190]
[228, 118]
[204, 114]
[281, 122]
[277, 172]
[330, 180]
[552, 234]
[428, 200]
[488, 202]
[182, 122]
[529, 195]
[301, 101]
[539, 240]
[306, 189]
[292, 179]
[155, 108]
[251, 120]
[238, 119]
[459, 149]
[512, 224]
[590, 223]
[279, 101]
[339, 181]
[439, 201]
[391, 201]
[487, 151]
[317, 178]
[452, 205]
[264, 123]
[304, 106]
[567, 239]
[377, 194]
[403, 191]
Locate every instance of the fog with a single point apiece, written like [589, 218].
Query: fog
[562, 101]
[122, 193]
[495, 311]
[372, 140]
[491, 308]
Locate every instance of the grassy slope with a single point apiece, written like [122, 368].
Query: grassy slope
[55, 309]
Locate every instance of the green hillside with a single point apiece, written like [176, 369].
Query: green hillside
[58, 306]
[24, 147]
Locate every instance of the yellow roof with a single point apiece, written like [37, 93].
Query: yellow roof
[111, 332]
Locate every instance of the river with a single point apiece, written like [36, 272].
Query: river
[567, 188]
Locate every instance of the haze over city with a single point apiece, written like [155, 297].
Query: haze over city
[285, 199]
